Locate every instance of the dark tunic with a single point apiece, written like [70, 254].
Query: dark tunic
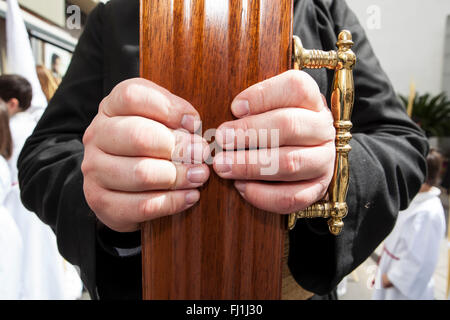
[387, 162]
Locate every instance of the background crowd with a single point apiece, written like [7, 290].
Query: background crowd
[32, 268]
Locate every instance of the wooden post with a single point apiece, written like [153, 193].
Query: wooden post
[207, 51]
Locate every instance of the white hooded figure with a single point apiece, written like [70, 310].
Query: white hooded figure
[44, 272]
[45, 275]
[10, 242]
[411, 251]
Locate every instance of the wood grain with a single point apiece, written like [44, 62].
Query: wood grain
[207, 51]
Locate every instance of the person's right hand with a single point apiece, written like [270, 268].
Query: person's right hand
[131, 166]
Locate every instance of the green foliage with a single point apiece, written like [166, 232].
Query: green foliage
[431, 113]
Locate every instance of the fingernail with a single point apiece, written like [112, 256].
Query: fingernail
[192, 197]
[190, 123]
[197, 175]
[223, 165]
[240, 108]
[240, 186]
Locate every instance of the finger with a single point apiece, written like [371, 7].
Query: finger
[283, 198]
[292, 89]
[283, 164]
[123, 212]
[140, 97]
[140, 137]
[280, 127]
[132, 174]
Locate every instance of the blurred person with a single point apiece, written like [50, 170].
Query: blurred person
[48, 82]
[446, 179]
[446, 185]
[44, 273]
[10, 238]
[17, 93]
[411, 251]
[56, 68]
[20, 58]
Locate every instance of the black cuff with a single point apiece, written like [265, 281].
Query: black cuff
[118, 244]
[318, 225]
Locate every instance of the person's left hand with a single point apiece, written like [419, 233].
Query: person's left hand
[294, 172]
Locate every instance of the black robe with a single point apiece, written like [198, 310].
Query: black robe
[387, 162]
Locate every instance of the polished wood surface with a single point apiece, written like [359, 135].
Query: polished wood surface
[207, 51]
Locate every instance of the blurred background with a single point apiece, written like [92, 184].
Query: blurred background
[410, 37]
[412, 41]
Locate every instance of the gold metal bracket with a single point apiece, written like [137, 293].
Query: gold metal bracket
[342, 100]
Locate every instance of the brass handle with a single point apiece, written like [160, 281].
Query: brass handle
[342, 99]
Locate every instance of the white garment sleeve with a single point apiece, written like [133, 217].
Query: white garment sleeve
[418, 255]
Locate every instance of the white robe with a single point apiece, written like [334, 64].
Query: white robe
[22, 125]
[45, 275]
[10, 242]
[411, 251]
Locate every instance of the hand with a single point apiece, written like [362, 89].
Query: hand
[132, 168]
[303, 154]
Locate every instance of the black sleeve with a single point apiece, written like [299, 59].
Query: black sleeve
[387, 167]
[50, 174]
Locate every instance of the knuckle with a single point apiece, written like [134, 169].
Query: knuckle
[317, 121]
[245, 132]
[260, 93]
[138, 138]
[322, 188]
[244, 125]
[331, 146]
[88, 135]
[171, 205]
[157, 207]
[295, 81]
[303, 200]
[172, 176]
[126, 93]
[101, 200]
[173, 141]
[331, 133]
[301, 86]
[102, 107]
[87, 165]
[95, 199]
[142, 174]
[241, 165]
[329, 157]
[306, 199]
[295, 78]
[148, 208]
[327, 123]
[291, 124]
[146, 176]
[291, 163]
